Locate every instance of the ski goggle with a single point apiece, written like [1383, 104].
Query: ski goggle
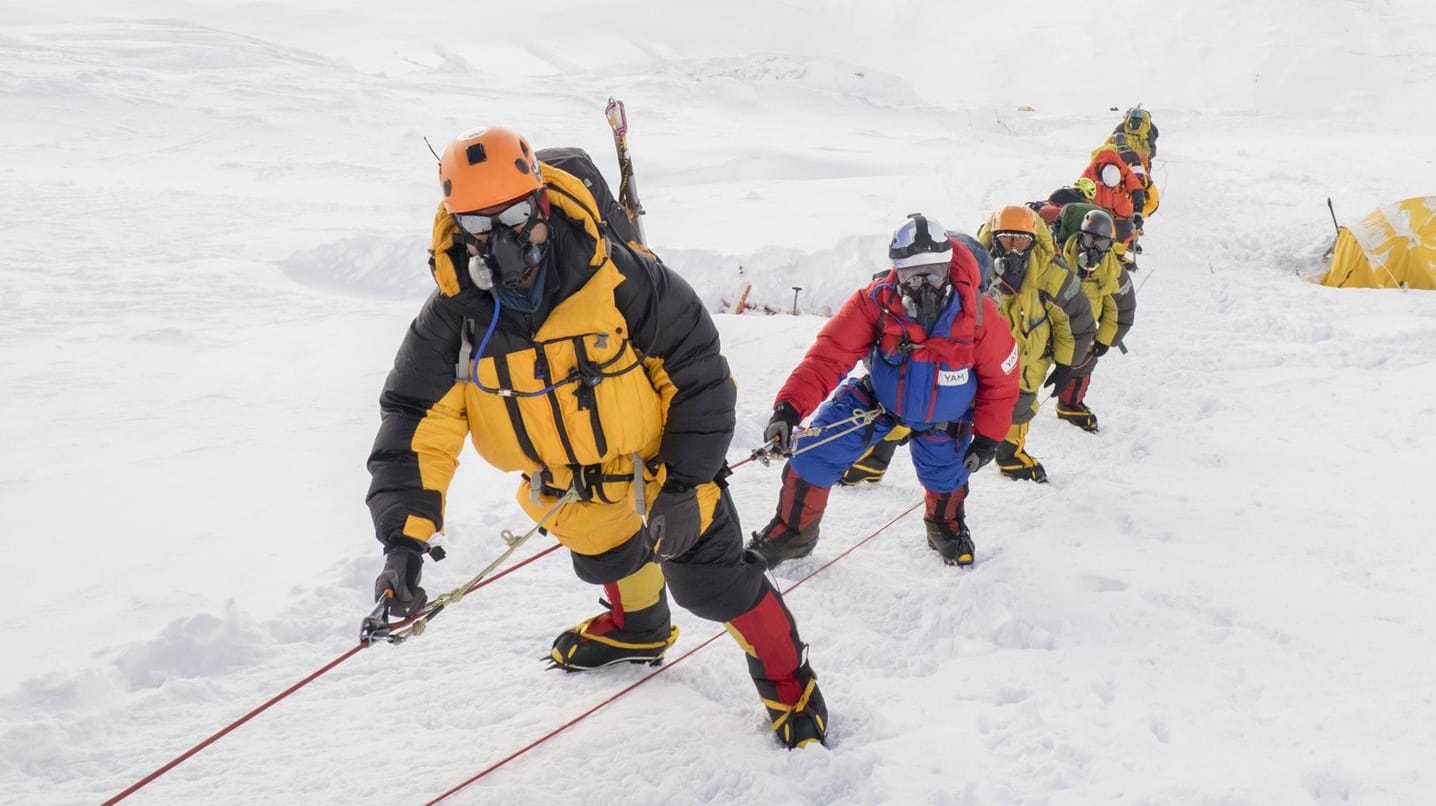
[1090, 241]
[915, 277]
[483, 223]
[1018, 242]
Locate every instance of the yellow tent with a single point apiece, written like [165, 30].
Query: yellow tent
[1394, 247]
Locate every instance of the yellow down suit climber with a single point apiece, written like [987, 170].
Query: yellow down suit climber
[1109, 289]
[1051, 320]
[576, 358]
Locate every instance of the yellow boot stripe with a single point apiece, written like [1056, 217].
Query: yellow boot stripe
[1023, 461]
[603, 639]
[641, 589]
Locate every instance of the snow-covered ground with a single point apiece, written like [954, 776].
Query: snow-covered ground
[213, 221]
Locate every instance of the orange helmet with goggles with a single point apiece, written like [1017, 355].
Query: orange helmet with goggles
[486, 167]
[1015, 218]
[1014, 232]
[1014, 228]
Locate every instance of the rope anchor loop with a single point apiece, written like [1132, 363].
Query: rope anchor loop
[860, 418]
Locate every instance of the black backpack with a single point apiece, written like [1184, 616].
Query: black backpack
[576, 161]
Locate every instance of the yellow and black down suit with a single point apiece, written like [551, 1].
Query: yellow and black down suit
[1051, 321]
[617, 376]
[1110, 291]
[1113, 297]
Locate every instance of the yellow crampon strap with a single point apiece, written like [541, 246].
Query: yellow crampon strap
[781, 726]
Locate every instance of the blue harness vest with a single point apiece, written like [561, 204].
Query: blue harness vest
[916, 387]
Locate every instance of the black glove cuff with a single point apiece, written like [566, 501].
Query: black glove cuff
[675, 486]
[784, 411]
[405, 543]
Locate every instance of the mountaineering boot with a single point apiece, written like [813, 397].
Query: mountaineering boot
[778, 664]
[946, 530]
[598, 642]
[776, 543]
[1070, 406]
[951, 540]
[1013, 459]
[793, 532]
[1016, 463]
[620, 635]
[1079, 415]
[803, 721]
[872, 466]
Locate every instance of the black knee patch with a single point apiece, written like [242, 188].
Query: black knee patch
[718, 579]
[614, 564]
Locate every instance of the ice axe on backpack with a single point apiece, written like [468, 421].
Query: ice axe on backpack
[627, 187]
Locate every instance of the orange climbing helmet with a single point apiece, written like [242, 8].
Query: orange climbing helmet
[486, 167]
[1015, 218]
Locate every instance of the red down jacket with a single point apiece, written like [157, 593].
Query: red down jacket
[874, 316]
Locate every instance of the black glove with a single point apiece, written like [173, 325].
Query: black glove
[1099, 349]
[1061, 374]
[673, 523]
[400, 577]
[780, 427]
[1137, 221]
[980, 452]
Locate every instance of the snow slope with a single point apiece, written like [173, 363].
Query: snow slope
[214, 220]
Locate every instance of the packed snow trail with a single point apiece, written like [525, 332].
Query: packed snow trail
[215, 238]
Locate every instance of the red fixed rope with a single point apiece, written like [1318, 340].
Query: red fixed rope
[136, 786]
[231, 726]
[565, 726]
[175, 762]
[660, 670]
